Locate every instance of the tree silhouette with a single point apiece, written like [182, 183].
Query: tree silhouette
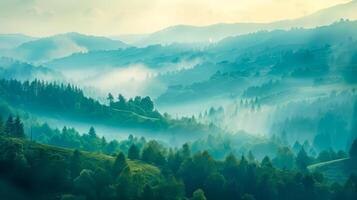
[119, 164]
[18, 128]
[9, 125]
[302, 160]
[133, 152]
[75, 164]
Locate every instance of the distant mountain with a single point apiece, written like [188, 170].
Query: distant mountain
[296, 52]
[231, 48]
[194, 34]
[9, 41]
[13, 69]
[321, 55]
[216, 32]
[325, 16]
[45, 49]
[130, 38]
[155, 56]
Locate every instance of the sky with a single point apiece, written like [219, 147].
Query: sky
[116, 17]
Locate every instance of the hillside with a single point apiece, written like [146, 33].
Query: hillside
[89, 159]
[9, 41]
[69, 102]
[336, 170]
[154, 57]
[325, 16]
[38, 171]
[14, 69]
[252, 59]
[48, 48]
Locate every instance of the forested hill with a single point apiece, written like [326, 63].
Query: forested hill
[29, 170]
[69, 101]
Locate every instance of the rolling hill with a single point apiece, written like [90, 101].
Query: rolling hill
[9, 41]
[44, 169]
[45, 49]
[336, 170]
[216, 32]
[14, 69]
[300, 53]
[90, 158]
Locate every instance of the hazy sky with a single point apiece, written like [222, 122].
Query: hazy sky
[113, 17]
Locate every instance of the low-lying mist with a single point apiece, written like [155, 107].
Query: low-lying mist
[131, 80]
[172, 139]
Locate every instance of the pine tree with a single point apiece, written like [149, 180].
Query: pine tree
[119, 164]
[75, 164]
[103, 144]
[110, 98]
[92, 132]
[133, 153]
[186, 151]
[302, 160]
[251, 157]
[266, 162]
[18, 128]
[9, 126]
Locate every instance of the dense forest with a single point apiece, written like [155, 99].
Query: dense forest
[140, 169]
[70, 101]
[153, 172]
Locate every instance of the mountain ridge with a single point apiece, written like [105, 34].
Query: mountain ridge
[61, 45]
[215, 32]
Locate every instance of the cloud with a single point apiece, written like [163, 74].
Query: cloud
[111, 17]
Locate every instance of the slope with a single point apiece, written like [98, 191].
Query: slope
[89, 159]
[336, 170]
[45, 49]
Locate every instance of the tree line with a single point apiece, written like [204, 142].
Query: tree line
[69, 101]
[47, 174]
[12, 127]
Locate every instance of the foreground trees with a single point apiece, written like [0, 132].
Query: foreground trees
[40, 173]
[154, 172]
[12, 127]
[134, 152]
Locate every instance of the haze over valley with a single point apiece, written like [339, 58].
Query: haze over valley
[224, 110]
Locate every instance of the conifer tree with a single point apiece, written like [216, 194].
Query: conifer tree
[9, 125]
[133, 153]
[18, 128]
[75, 164]
[92, 132]
[302, 160]
[119, 164]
